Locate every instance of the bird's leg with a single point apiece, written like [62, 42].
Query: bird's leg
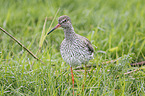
[84, 77]
[72, 79]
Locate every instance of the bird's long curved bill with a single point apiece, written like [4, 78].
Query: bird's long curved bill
[58, 25]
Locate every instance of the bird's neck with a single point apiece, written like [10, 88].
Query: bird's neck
[69, 33]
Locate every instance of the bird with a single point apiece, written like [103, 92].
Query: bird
[75, 49]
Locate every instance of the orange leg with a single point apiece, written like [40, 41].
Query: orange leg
[72, 79]
[85, 74]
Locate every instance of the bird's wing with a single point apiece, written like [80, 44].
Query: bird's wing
[87, 43]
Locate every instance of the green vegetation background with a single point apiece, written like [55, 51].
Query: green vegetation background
[115, 27]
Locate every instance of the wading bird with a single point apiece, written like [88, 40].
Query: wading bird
[75, 49]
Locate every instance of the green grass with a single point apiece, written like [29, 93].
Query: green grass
[116, 28]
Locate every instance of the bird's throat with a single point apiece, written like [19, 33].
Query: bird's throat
[69, 33]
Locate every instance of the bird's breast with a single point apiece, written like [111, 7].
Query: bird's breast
[75, 52]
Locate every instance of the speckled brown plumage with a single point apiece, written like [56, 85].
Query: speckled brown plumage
[75, 49]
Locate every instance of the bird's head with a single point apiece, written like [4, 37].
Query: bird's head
[63, 21]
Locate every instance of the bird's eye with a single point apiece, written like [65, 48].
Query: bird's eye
[64, 20]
